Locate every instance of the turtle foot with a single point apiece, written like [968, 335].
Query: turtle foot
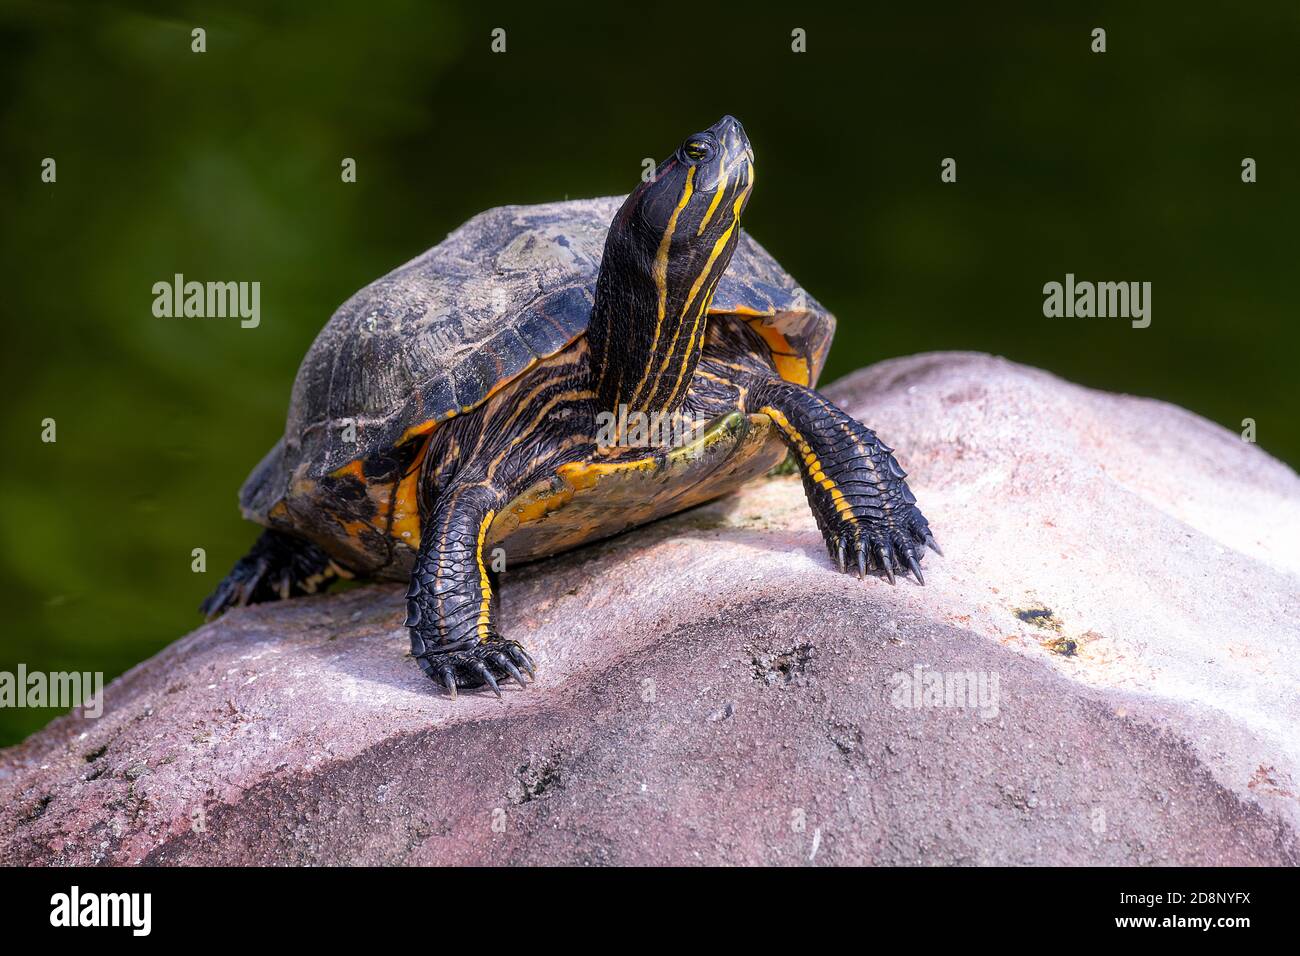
[894, 546]
[488, 663]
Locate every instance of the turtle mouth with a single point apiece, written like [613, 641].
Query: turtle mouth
[741, 165]
[735, 169]
[737, 160]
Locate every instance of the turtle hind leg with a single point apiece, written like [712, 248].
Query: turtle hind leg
[278, 566]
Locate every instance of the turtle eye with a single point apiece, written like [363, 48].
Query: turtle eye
[696, 150]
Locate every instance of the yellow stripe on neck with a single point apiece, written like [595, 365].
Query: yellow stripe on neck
[661, 276]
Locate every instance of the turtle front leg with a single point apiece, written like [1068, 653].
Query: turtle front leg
[866, 513]
[449, 606]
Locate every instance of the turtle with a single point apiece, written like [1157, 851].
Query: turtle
[553, 374]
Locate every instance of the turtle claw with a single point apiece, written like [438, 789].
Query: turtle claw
[887, 563]
[932, 544]
[522, 658]
[505, 664]
[515, 674]
[485, 664]
[486, 674]
[891, 546]
[277, 567]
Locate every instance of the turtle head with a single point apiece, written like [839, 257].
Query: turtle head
[667, 247]
[696, 196]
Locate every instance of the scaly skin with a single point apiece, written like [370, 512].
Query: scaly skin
[475, 466]
[855, 487]
[449, 605]
[866, 513]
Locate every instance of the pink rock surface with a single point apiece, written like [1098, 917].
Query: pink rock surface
[711, 691]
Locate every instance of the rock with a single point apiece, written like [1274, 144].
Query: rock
[1120, 583]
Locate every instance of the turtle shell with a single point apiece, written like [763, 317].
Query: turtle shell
[437, 336]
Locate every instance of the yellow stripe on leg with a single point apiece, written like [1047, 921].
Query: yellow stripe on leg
[485, 586]
[811, 462]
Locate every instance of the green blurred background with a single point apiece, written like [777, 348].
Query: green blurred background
[225, 166]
